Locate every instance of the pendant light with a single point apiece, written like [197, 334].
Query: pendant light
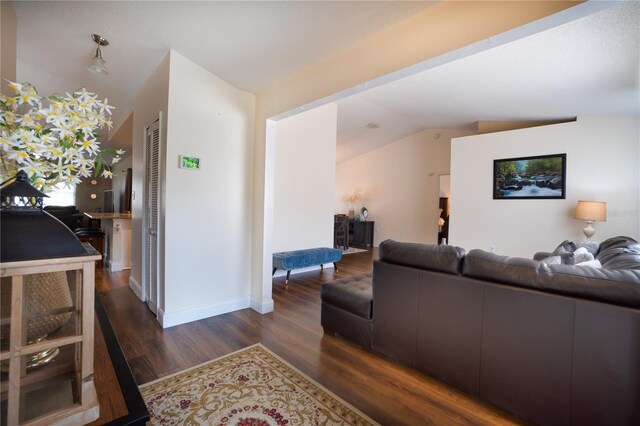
[97, 63]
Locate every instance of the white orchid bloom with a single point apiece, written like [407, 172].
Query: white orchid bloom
[28, 94]
[5, 143]
[10, 102]
[57, 139]
[83, 94]
[31, 170]
[19, 157]
[89, 145]
[27, 135]
[107, 123]
[48, 139]
[63, 131]
[107, 174]
[17, 87]
[105, 108]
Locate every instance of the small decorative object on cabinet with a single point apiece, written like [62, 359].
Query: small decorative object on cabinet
[46, 333]
[365, 213]
[352, 199]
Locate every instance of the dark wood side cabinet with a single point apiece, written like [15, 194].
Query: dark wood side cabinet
[361, 233]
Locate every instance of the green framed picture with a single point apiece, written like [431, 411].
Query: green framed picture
[189, 162]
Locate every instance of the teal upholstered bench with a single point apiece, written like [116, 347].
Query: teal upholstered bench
[289, 260]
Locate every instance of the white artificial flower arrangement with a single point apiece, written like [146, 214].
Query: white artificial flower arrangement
[53, 139]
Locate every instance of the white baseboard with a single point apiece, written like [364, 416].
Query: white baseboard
[262, 307]
[114, 267]
[153, 307]
[159, 316]
[170, 319]
[136, 288]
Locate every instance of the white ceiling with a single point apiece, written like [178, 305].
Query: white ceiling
[585, 67]
[249, 44]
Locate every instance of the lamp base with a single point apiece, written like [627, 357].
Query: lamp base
[34, 360]
[589, 230]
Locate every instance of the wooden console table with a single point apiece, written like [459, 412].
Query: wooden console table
[361, 233]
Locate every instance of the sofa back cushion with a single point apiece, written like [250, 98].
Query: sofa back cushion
[619, 253]
[441, 258]
[502, 269]
[617, 286]
[61, 210]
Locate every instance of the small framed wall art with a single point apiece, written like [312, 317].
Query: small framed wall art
[538, 177]
[189, 162]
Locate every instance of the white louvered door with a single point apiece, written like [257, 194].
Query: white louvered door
[152, 205]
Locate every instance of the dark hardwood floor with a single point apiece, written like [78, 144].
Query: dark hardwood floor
[384, 390]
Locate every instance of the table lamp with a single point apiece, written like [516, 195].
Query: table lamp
[591, 211]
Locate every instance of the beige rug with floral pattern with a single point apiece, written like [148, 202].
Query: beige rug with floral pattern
[252, 386]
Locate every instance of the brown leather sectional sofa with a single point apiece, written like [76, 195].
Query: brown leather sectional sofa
[554, 344]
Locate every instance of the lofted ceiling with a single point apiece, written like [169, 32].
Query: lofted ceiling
[249, 44]
[589, 66]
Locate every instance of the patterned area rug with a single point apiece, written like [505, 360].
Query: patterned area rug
[252, 386]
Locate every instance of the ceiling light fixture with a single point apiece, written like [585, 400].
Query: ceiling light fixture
[97, 63]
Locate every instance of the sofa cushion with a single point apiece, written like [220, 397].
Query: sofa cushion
[620, 287]
[61, 210]
[353, 294]
[502, 269]
[619, 253]
[441, 258]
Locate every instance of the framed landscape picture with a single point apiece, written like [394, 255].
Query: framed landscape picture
[536, 177]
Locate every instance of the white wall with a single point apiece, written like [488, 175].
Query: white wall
[304, 183]
[8, 46]
[148, 103]
[441, 33]
[207, 211]
[602, 165]
[400, 180]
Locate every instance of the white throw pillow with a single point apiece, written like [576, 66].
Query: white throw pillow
[595, 263]
[582, 255]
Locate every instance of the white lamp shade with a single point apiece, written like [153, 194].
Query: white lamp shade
[591, 210]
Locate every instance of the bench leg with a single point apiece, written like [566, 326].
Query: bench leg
[274, 271]
[335, 265]
[286, 281]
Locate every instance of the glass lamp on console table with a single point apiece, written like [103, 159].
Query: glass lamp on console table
[47, 314]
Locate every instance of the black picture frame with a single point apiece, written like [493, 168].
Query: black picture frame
[530, 178]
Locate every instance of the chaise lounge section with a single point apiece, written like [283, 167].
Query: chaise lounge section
[554, 344]
[347, 308]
